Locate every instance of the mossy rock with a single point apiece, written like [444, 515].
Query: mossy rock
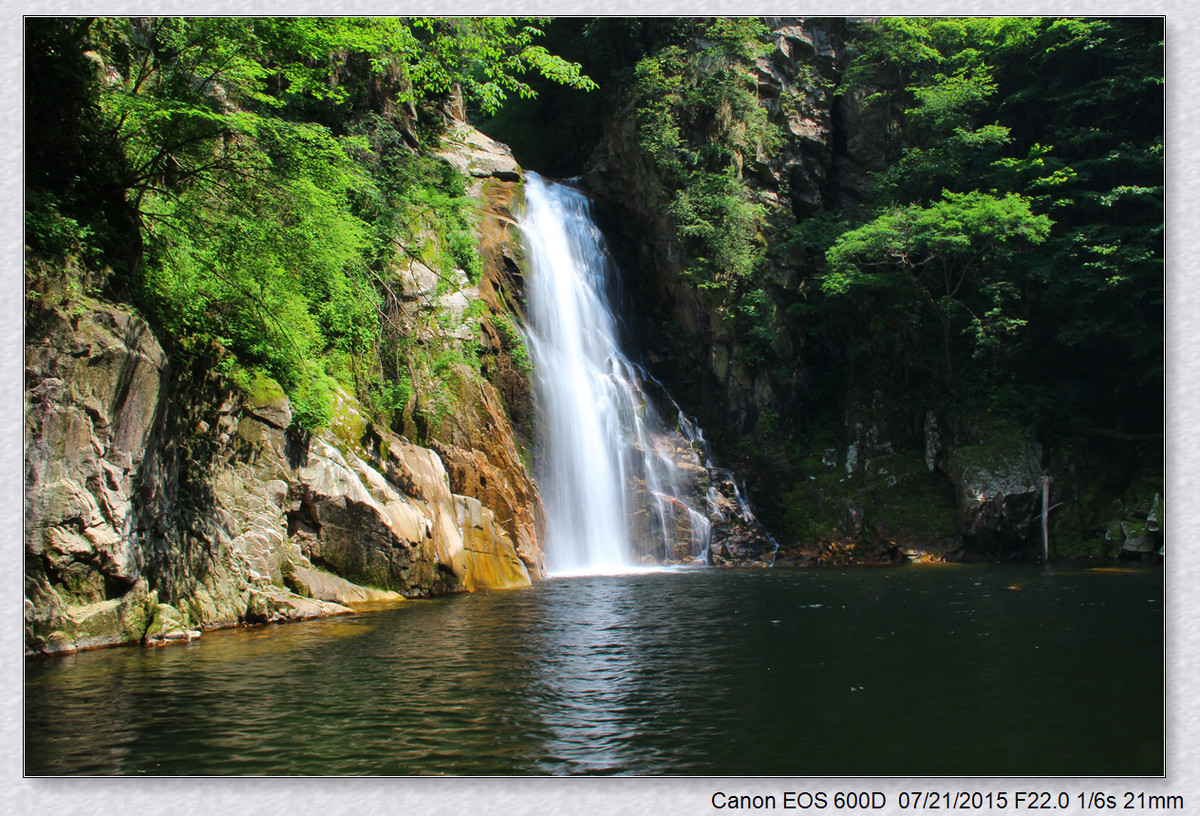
[264, 391]
[348, 425]
[105, 623]
[895, 498]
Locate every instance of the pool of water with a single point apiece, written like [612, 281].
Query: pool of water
[939, 670]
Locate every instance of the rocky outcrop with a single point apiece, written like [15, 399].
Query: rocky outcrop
[696, 512]
[476, 155]
[833, 139]
[92, 385]
[92, 395]
[737, 538]
[997, 476]
[160, 505]
[972, 491]
[1139, 531]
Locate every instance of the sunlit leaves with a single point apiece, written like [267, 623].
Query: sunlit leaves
[947, 100]
[263, 231]
[950, 255]
[485, 56]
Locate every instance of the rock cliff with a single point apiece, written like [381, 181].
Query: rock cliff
[157, 507]
[831, 146]
[162, 500]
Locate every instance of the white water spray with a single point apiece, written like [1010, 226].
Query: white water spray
[615, 495]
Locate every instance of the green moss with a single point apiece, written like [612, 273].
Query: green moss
[899, 497]
[311, 408]
[348, 425]
[82, 583]
[288, 574]
[262, 390]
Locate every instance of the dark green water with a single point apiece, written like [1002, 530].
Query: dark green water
[906, 671]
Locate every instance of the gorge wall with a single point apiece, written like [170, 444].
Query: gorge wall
[851, 455]
[161, 502]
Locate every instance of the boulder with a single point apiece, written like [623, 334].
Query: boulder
[998, 478]
[740, 544]
[477, 155]
[349, 519]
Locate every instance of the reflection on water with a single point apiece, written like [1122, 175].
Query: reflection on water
[943, 670]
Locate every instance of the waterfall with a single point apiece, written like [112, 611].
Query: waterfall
[616, 482]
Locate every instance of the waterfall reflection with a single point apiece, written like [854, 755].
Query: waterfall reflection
[619, 683]
[585, 676]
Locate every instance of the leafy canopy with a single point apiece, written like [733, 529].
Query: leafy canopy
[243, 148]
[1041, 135]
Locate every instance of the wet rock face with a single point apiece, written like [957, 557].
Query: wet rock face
[707, 521]
[489, 557]
[482, 462]
[737, 539]
[741, 545]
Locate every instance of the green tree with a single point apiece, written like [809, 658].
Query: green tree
[1065, 114]
[950, 254]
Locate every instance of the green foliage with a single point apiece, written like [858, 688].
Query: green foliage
[721, 227]
[950, 254]
[513, 342]
[270, 206]
[271, 262]
[956, 236]
[699, 121]
[484, 55]
[1006, 125]
[54, 232]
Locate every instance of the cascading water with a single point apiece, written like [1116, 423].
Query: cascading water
[616, 494]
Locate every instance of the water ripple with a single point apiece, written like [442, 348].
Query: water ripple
[832, 673]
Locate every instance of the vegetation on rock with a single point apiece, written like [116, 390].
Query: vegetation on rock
[262, 175]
